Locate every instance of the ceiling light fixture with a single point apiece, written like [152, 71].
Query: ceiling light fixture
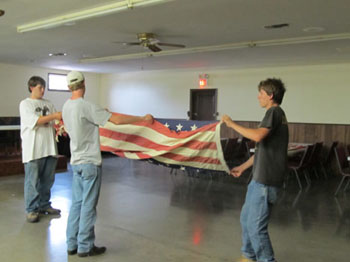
[85, 14]
[57, 54]
[276, 26]
[231, 46]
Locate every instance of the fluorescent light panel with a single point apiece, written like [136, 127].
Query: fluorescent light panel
[231, 46]
[85, 14]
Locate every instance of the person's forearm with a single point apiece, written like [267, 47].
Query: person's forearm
[247, 164]
[120, 119]
[252, 133]
[46, 119]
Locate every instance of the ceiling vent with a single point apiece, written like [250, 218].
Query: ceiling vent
[57, 54]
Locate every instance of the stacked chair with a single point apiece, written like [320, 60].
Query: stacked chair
[343, 166]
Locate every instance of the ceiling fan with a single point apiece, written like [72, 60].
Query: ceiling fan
[149, 40]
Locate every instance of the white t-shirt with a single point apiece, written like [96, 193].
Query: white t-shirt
[81, 120]
[37, 141]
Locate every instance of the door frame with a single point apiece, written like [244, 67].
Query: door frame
[193, 92]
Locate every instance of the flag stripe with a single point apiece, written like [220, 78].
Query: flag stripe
[200, 148]
[142, 141]
[131, 147]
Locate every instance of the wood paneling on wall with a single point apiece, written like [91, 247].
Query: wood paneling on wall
[303, 132]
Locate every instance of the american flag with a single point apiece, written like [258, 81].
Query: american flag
[172, 142]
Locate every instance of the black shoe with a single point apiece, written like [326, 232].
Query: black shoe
[94, 251]
[72, 252]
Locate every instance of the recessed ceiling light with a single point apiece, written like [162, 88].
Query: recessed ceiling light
[70, 23]
[2, 12]
[276, 26]
[57, 54]
[343, 49]
[87, 56]
[313, 29]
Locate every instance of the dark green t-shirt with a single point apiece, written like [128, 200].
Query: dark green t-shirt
[270, 158]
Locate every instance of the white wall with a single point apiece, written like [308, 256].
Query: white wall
[315, 94]
[13, 86]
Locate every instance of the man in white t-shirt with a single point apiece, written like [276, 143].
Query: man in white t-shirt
[39, 150]
[81, 120]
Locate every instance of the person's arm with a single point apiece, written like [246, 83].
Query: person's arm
[255, 134]
[120, 119]
[46, 119]
[238, 170]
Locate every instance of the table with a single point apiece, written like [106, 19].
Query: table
[293, 148]
[10, 127]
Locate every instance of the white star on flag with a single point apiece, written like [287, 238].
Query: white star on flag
[179, 127]
[167, 125]
[194, 127]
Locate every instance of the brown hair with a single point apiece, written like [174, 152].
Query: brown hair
[274, 87]
[34, 81]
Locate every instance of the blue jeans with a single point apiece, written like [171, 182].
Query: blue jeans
[82, 216]
[254, 221]
[38, 180]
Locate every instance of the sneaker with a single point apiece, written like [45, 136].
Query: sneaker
[94, 251]
[33, 217]
[72, 252]
[244, 259]
[51, 211]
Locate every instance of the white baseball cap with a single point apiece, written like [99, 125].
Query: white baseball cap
[74, 77]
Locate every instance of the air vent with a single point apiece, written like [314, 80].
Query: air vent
[57, 54]
[276, 26]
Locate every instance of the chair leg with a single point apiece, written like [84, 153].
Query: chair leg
[307, 178]
[315, 172]
[285, 183]
[296, 199]
[341, 182]
[347, 184]
[298, 179]
[324, 171]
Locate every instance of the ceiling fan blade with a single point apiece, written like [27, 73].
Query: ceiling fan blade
[154, 48]
[126, 43]
[131, 43]
[172, 45]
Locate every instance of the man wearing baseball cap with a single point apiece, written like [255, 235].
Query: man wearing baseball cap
[82, 120]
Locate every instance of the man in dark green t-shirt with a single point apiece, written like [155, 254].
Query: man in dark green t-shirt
[269, 167]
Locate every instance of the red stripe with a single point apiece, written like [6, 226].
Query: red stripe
[172, 156]
[195, 144]
[143, 156]
[144, 142]
[112, 150]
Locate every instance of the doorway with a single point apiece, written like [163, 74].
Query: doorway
[203, 104]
